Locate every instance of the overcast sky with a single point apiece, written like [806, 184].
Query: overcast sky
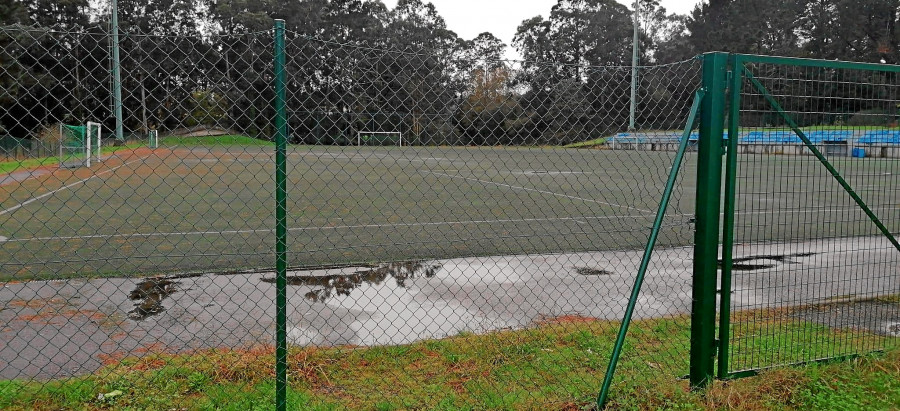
[468, 18]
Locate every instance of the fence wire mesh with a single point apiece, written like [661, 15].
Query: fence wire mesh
[813, 276]
[480, 258]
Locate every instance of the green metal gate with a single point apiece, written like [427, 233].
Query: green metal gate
[807, 243]
[795, 254]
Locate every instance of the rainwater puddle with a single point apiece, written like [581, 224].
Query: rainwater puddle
[149, 295]
[591, 271]
[334, 285]
[762, 262]
[386, 308]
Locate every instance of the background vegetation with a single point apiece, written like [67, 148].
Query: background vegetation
[199, 67]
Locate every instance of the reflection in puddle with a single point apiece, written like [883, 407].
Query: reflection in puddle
[343, 284]
[150, 294]
[592, 271]
[762, 262]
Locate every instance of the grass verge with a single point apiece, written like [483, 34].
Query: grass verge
[16, 165]
[589, 143]
[226, 140]
[555, 365]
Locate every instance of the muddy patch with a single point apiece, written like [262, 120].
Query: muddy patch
[762, 262]
[328, 286]
[149, 295]
[591, 271]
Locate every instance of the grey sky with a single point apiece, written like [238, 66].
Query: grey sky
[468, 18]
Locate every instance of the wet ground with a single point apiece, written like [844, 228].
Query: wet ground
[19, 176]
[52, 329]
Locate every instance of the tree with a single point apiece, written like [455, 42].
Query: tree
[863, 30]
[662, 34]
[240, 16]
[746, 26]
[490, 105]
[62, 14]
[12, 12]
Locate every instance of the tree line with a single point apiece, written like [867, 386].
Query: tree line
[357, 65]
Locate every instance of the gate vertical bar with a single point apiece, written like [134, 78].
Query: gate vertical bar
[280, 222]
[706, 236]
[734, 113]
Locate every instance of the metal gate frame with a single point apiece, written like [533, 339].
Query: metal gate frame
[724, 76]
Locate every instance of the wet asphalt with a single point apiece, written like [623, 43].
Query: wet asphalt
[53, 329]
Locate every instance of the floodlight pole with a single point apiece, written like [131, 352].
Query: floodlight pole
[634, 63]
[116, 70]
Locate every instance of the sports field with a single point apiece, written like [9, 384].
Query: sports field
[209, 206]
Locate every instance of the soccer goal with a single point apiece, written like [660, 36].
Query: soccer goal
[153, 137]
[79, 145]
[379, 138]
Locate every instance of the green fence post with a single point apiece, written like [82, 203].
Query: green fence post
[280, 222]
[706, 236]
[648, 250]
[734, 114]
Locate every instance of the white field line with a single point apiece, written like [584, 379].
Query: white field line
[79, 182]
[540, 191]
[578, 220]
[323, 228]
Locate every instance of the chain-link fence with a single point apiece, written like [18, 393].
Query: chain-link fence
[460, 232]
[433, 210]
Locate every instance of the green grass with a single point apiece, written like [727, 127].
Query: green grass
[589, 143]
[557, 365]
[16, 165]
[227, 140]
[222, 141]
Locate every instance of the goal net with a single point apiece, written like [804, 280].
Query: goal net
[79, 145]
[379, 138]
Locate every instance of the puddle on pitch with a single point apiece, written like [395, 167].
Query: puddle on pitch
[334, 285]
[385, 304]
[590, 271]
[762, 262]
[149, 295]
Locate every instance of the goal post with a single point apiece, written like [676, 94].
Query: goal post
[94, 136]
[153, 138]
[79, 145]
[379, 138]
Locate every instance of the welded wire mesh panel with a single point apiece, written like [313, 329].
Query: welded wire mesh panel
[813, 276]
[111, 274]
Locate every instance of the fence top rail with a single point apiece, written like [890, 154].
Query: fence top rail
[806, 62]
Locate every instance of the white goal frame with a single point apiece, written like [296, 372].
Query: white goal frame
[93, 145]
[153, 136]
[361, 133]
